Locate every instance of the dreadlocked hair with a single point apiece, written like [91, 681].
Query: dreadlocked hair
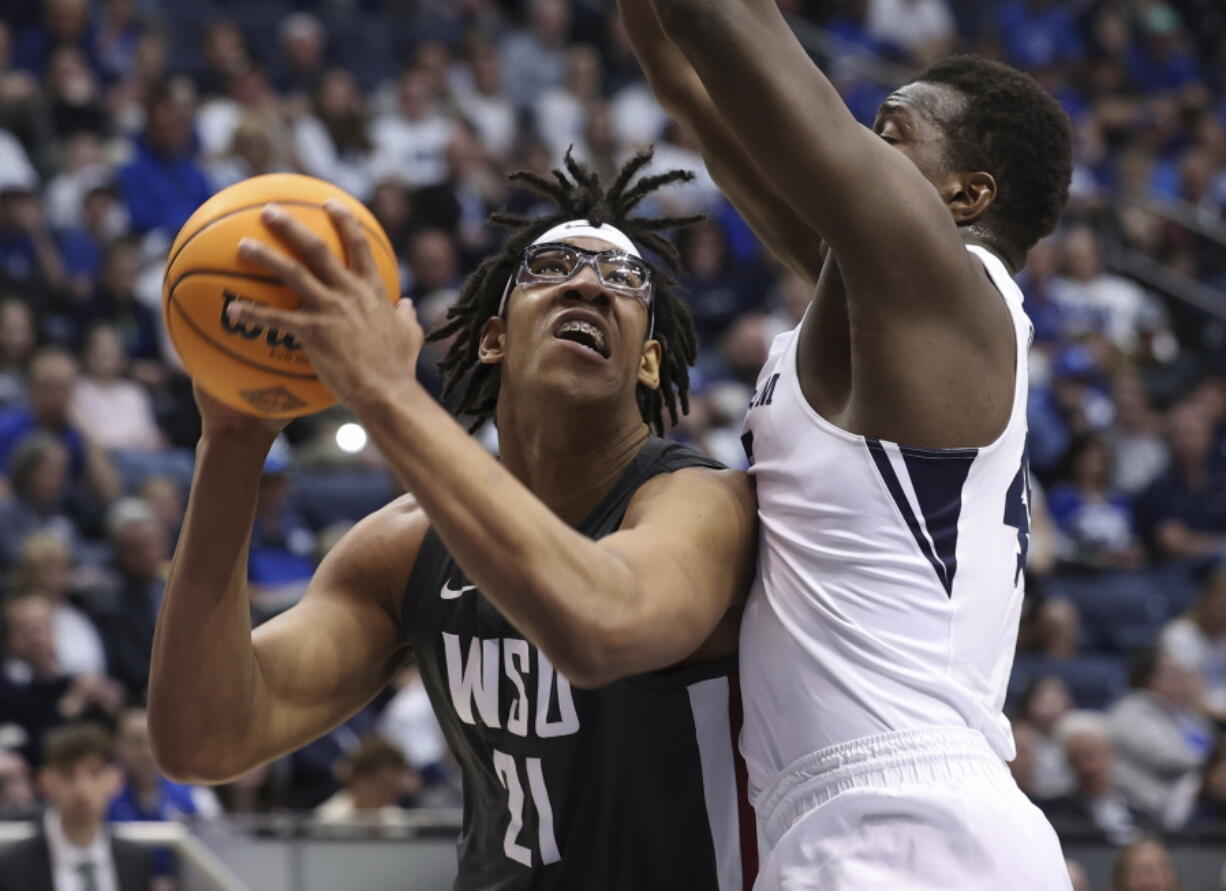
[579, 196]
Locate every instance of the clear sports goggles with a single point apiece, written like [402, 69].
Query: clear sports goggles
[619, 272]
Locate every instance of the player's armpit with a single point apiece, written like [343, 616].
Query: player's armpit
[327, 656]
[688, 541]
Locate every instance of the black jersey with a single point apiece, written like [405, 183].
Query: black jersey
[629, 787]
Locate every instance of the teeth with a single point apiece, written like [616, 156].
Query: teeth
[586, 328]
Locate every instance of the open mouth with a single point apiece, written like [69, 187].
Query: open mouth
[585, 334]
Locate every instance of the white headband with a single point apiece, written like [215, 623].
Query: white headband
[584, 229]
[580, 229]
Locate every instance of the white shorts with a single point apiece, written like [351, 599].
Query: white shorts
[917, 810]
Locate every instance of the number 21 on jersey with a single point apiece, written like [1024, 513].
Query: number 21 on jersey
[508, 774]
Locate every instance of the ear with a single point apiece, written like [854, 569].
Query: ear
[970, 195]
[493, 344]
[649, 364]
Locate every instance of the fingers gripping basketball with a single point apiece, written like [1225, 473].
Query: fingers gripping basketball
[251, 367]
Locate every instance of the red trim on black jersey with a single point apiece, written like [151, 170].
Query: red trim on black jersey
[746, 821]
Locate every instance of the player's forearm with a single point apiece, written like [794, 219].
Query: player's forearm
[788, 119]
[668, 72]
[204, 679]
[677, 88]
[566, 594]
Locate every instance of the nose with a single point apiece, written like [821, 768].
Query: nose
[586, 287]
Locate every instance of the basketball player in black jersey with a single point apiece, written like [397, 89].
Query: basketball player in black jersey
[594, 554]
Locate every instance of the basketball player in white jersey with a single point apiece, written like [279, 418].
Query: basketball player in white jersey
[887, 441]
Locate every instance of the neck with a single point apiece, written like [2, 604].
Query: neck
[80, 834]
[1013, 259]
[570, 460]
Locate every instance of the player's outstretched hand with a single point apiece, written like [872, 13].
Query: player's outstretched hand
[358, 341]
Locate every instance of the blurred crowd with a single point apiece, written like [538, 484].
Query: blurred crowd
[119, 117]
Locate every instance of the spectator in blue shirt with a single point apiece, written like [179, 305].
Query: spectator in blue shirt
[51, 378]
[1097, 521]
[65, 24]
[146, 794]
[163, 184]
[1162, 62]
[1039, 34]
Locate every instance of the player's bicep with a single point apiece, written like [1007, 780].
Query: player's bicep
[328, 655]
[689, 543]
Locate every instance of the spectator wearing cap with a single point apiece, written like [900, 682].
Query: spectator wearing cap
[1184, 509]
[73, 849]
[51, 380]
[1197, 640]
[163, 184]
[44, 566]
[1158, 731]
[125, 607]
[1096, 805]
[36, 694]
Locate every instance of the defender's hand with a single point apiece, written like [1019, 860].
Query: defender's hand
[357, 341]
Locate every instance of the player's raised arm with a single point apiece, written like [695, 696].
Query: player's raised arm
[222, 700]
[678, 89]
[892, 231]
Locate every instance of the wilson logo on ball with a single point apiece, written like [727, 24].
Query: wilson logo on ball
[275, 338]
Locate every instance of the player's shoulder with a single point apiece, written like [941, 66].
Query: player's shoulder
[378, 554]
[692, 489]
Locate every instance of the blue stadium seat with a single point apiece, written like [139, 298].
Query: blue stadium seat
[327, 497]
[1094, 681]
[1120, 611]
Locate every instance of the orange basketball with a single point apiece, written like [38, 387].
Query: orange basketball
[258, 371]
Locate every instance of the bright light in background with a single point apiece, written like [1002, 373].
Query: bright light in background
[351, 438]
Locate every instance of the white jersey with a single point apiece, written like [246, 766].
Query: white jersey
[889, 582]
